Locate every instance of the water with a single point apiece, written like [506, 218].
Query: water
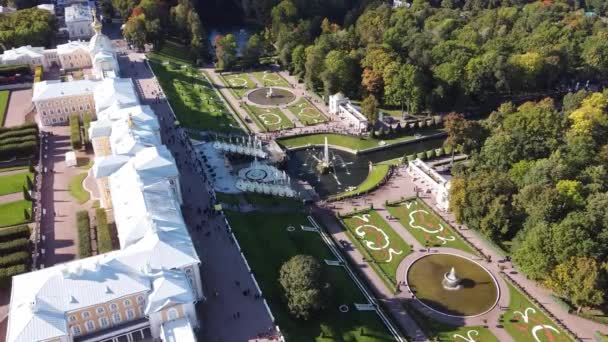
[241, 34]
[349, 169]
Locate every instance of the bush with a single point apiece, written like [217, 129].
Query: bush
[23, 258]
[447, 150]
[21, 150]
[421, 124]
[430, 154]
[438, 152]
[31, 132]
[12, 70]
[75, 138]
[86, 123]
[12, 246]
[12, 233]
[19, 128]
[302, 280]
[84, 233]
[104, 235]
[421, 156]
[6, 274]
[411, 157]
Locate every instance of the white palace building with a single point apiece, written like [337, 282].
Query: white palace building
[147, 289]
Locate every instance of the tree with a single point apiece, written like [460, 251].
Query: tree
[302, 280]
[253, 51]
[26, 194]
[107, 9]
[225, 50]
[456, 127]
[30, 26]
[595, 53]
[124, 7]
[404, 86]
[298, 60]
[373, 82]
[135, 31]
[578, 279]
[30, 184]
[369, 108]
[283, 14]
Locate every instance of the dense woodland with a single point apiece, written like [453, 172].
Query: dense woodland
[30, 26]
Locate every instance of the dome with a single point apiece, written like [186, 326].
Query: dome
[100, 42]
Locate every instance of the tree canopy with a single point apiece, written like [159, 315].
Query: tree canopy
[305, 289]
[31, 26]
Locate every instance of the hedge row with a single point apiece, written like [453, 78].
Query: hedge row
[12, 246]
[430, 154]
[17, 258]
[11, 70]
[18, 140]
[19, 128]
[86, 123]
[75, 138]
[38, 74]
[11, 233]
[21, 150]
[19, 133]
[104, 235]
[84, 233]
[7, 273]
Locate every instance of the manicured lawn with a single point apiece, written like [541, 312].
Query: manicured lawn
[14, 183]
[374, 178]
[272, 119]
[439, 331]
[306, 112]
[267, 244]
[77, 190]
[4, 95]
[194, 99]
[13, 213]
[238, 83]
[516, 325]
[172, 52]
[353, 143]
[381, 245]
[426, 226]
[13, 168]
[269, 78]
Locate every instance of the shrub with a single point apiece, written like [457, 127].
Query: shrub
[13, 69]
[84, 233]
[18, 139]
[430, 154]
[302, 280]
[12, 246]
[104, 235]
[12, 233]
[86, 123]
[447, 150]
[421, 124]
[23, 257]
[75, 138]
[21, 150]
[7, 273]
[421, 155]
[438, 152]
[19, 128]
[411, 157]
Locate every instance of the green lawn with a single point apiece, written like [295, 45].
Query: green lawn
[354, 143]
[439, 331]
[13, 213]
[194, 99]
[516, 325]
[377, 174]
[77, 190]
[14, 183]
[238, 83]
[172, 52]
[272, 119]
[306, 112]
[269, 78]
[267, 244]
[4, 95]
[383, 247]
[426, 226]
[14, 168]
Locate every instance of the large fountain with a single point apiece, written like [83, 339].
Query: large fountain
[451, 281]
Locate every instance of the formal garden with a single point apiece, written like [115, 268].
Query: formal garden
[282, 239]
[269, 119]
[270, 79]
[238, 83]
[306, 112]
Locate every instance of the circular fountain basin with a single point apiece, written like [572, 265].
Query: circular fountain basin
[280, 96]
[478, 292]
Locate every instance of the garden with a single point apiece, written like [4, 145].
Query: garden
[15, 256]
[426, 226]
[380, 245]
[269, 246]
[77, 190]
[238, 83]
[269, 119]
[270, 79]
[306, 112]
[378, 174]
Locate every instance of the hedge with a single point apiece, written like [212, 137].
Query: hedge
[75, 138]
[421, 155]
[19, 133]
[12, 70]
[86, 123]
[18, 140]
[12, 233]
[104, 235]
[26, 149]
[430, 154]
[19, 128]
[12, 246]
[84, 233]
[22, 258]
[7, 273]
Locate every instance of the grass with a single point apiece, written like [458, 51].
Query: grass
[238, 83]
[269, 78]
[193, 98]
[423, 217]
[267, 245]
[439, 331]
[271, 118]
[77, 190]
[306, 112]
[353, 143]
[13, 168]
[376, 175]
[522, 331]
[84, 163]
[13, 213]
[172, 52]
[232, 199]
[4, 95]
[13, 183]
[382, 260]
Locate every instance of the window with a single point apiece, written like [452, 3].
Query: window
[130, 314]
[44, 112]
[76, 330]
[58, 110]
[104, 322]
[88, 106]
[90, 326]
[72, 318]
[173, 314]
[140, 299]
[116, 318]
[141, 310]
[80, 107]
[113, 307]
[127, 302]
[86, 314]
[100, 310]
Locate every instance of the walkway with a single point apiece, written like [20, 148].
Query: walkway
[19, 104]
[222, 265]
[402, 185]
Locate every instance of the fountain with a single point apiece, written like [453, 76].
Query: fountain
[269, 93]
[324, 166]
[451, 281]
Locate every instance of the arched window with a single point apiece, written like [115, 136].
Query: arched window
[172, 314]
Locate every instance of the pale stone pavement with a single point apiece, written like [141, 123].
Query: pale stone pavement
[19, 103]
